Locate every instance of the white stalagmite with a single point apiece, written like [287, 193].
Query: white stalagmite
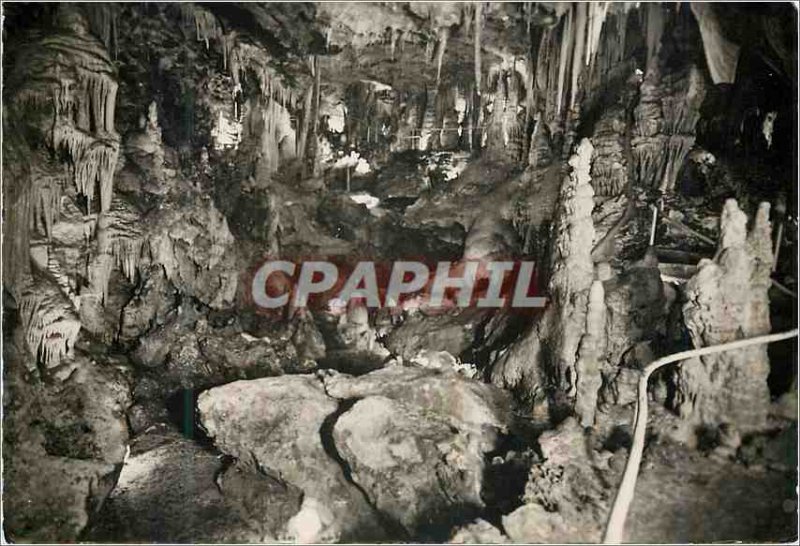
[573, 270]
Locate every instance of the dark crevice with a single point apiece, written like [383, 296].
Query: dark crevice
[392, 527]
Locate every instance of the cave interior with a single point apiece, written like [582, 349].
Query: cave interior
[642, 155]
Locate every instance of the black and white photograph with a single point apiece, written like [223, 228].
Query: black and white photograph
[399, 272]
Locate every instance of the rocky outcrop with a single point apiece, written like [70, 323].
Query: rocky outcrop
[217, 501]
[397, 451]
[565, 497]
[727, 300]
[64, 442]
[278, 423]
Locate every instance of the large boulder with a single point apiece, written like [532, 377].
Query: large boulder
[415, 442]
[395, 453]
[281, 423]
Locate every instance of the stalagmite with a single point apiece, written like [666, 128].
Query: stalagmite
[615, 527]
[573, 271]
[556, 338]
[727, 300]
[592, 346]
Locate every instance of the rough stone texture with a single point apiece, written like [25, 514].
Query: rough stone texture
[553, 342]
[212, 502]
[682, 496]
[64, 442]
[609, 167]
[566, 500]
[478, 532]
[410, 441]
[476, 407]
[413, 465]
[727, 300]
[279, 423]
[453, 332]
[635, 306]
[415, 441]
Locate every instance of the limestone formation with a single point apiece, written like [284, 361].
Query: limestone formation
[159, 158]
[727, 300]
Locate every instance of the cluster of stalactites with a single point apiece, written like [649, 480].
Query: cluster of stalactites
[564, 59]
[237, 56]
[579, 40]
[70, 72]
[277, 135]
[46, 204]
[93, 161]
[49, 321]
[665, 120]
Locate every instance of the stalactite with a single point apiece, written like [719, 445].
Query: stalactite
[93, 161]
[722, 55]
[580, 25]
[206, 26]
[655, 29]
[563, 58]
[306, 123]
[46, 204]
[598, 13]
[49, 321]
[477, 43]
[70, 71]
[444, 32]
